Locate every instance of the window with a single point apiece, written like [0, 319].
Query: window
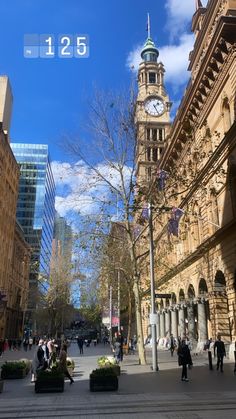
[161, 134]
[154, 134]
[152, 77]
[154, 154]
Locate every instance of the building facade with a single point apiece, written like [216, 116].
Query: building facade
[15, 253]
[18, 285]
[35, 213]
[9, 175]
[196, 262]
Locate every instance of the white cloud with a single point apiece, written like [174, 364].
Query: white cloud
[179, 15]
[175, 59]
[81, 190]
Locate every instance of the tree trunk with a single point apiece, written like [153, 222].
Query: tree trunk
[129, 316]
[140, 340]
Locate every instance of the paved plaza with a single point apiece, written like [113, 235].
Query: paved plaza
[142, 393]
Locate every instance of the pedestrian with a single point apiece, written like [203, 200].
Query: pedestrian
[46, 352]
[219, 350]
[1, 347]
[172, 344]
[25, 344]
[184, 359]
[62, 366]
[117, 350]
[10, 344]
[38, 362]
[30, 343]
[80, 343]
[121, 340]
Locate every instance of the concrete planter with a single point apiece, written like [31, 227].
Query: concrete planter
[1, 385]
[106, 383]
[13, 375]
[52, 385]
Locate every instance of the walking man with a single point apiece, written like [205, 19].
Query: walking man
[219, 350]
[172, 344]
[184, 359]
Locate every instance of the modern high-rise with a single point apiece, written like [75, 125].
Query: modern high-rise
[35, 213]
[62, 238]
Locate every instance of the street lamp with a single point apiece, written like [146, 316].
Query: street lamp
[153, 314]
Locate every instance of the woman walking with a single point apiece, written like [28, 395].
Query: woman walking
[184, 359]
[62, 363]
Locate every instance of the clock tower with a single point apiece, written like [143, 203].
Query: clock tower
[152, 114]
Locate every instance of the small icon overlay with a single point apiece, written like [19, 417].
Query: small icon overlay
[50, 46]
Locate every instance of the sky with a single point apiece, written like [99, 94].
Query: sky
[51, 96]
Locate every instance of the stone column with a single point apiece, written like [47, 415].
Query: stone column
[191, 323]
[167, 322]
[202, 322]
[162, 325]
[181, 322]
[174, 327]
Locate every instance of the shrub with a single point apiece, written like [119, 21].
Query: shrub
[106, 361]
[70, 363]
[13, 366]
[102, 372]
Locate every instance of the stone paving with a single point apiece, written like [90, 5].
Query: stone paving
[142, 393]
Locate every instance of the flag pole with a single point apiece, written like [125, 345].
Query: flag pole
[148, 26]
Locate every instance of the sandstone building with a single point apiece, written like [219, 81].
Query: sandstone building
[15, 253]
[196, 264]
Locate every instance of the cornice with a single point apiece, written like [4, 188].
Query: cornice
[212, 14]
[192, 105]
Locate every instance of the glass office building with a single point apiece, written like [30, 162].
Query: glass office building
[36, 209]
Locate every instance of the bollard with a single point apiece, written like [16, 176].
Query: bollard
[210, 360]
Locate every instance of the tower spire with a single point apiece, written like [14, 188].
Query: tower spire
[148, 26]
[198, 4]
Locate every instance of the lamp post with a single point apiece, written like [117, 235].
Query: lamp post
[153, 314]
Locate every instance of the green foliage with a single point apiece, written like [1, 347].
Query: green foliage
[49, 375]
[106, 361]
[14, 366]
[103, 372]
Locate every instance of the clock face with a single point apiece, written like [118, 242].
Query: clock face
[154, 106]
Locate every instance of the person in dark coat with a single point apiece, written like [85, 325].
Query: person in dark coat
[184, 359]
[63, 363]
[219, 350]
[172, 344]
[80, 343]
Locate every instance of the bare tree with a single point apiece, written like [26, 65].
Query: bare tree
[110, 157]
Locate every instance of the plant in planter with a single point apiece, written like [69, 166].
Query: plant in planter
[70, 363]
[109, 362]
[103, 379]
[49, 381]
[15, 369]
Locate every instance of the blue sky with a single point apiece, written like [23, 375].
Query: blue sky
[51, 96]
